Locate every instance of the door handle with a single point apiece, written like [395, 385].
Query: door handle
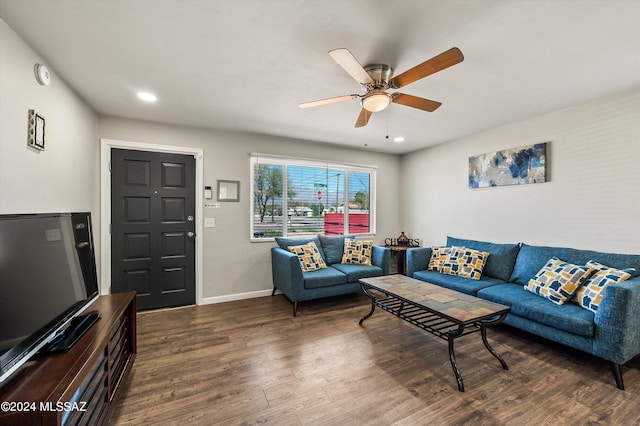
[191, 234]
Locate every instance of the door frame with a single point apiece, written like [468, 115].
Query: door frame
[105, 206]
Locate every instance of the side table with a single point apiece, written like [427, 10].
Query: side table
[400, 253]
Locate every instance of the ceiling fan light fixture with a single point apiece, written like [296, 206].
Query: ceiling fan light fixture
[376, 101]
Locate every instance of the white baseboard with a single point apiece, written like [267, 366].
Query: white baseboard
[237, 296]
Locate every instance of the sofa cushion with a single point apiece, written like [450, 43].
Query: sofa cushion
[568, 317]
[357, 252]
[465, 262]
[501, 260]
[438, 256]
[333, 247]
[461, 284]
[558, 280]
[531, 258]
[309, 256]
[285, 243]
[590, 294]
[323, 278]
[355, 272]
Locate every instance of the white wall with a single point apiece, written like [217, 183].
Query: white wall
[591, 199]
[232, 264]
[63, 176]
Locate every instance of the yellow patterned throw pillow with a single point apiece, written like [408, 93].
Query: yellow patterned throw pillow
[309, 256]
[439, 255]
[465, 262]
[589, 296]
[357, 252]
[558, 280]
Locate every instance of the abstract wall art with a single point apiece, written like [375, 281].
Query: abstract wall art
[515, 166]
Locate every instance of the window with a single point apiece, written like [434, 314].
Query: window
[299, 198]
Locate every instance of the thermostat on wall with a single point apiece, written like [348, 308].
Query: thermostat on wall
[42, 74]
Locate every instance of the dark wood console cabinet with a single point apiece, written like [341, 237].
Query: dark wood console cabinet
[86, 379]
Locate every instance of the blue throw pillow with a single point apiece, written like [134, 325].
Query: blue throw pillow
[502, 257]
[333, 247]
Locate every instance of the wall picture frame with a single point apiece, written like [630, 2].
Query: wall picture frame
[513, 166]
[228, 190]
[36, 130]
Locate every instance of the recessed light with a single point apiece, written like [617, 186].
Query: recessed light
[398, 139]
[147, 97]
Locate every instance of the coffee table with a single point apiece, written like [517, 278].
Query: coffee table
[442, 312]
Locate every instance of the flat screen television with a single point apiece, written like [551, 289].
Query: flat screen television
[47, 277]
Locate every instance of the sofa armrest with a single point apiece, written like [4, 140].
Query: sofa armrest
[417, 259]
[381, 256]
[286, 273]
[617, 322]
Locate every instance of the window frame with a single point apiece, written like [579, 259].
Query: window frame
[285, 162]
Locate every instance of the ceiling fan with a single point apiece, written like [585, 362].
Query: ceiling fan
[375, 80]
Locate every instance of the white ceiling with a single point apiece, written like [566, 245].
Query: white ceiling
[246, 64]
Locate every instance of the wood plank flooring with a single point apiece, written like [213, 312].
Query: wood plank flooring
[251, 362]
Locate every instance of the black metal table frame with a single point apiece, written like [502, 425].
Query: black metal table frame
[435, 322]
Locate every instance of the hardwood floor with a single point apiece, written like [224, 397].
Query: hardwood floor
[250, 362]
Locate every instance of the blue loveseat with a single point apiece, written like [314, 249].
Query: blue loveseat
[336, 279]
[612, 333]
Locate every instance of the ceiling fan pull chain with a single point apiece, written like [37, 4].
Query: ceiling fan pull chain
[387, 114]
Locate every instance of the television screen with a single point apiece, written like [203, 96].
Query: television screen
[47, 276]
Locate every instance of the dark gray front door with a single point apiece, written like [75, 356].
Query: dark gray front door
[153, 227]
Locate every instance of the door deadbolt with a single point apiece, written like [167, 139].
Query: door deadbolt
[189, 218]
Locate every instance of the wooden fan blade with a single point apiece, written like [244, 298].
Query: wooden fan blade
[363, 118]
[428, 67]
[350, 64]
[415, 102]
[327, 101]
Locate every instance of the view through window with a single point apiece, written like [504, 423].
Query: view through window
[303, 198]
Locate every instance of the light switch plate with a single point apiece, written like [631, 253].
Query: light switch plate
[209, 222]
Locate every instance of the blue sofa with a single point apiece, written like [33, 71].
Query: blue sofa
[336, 279]
[612, 333]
